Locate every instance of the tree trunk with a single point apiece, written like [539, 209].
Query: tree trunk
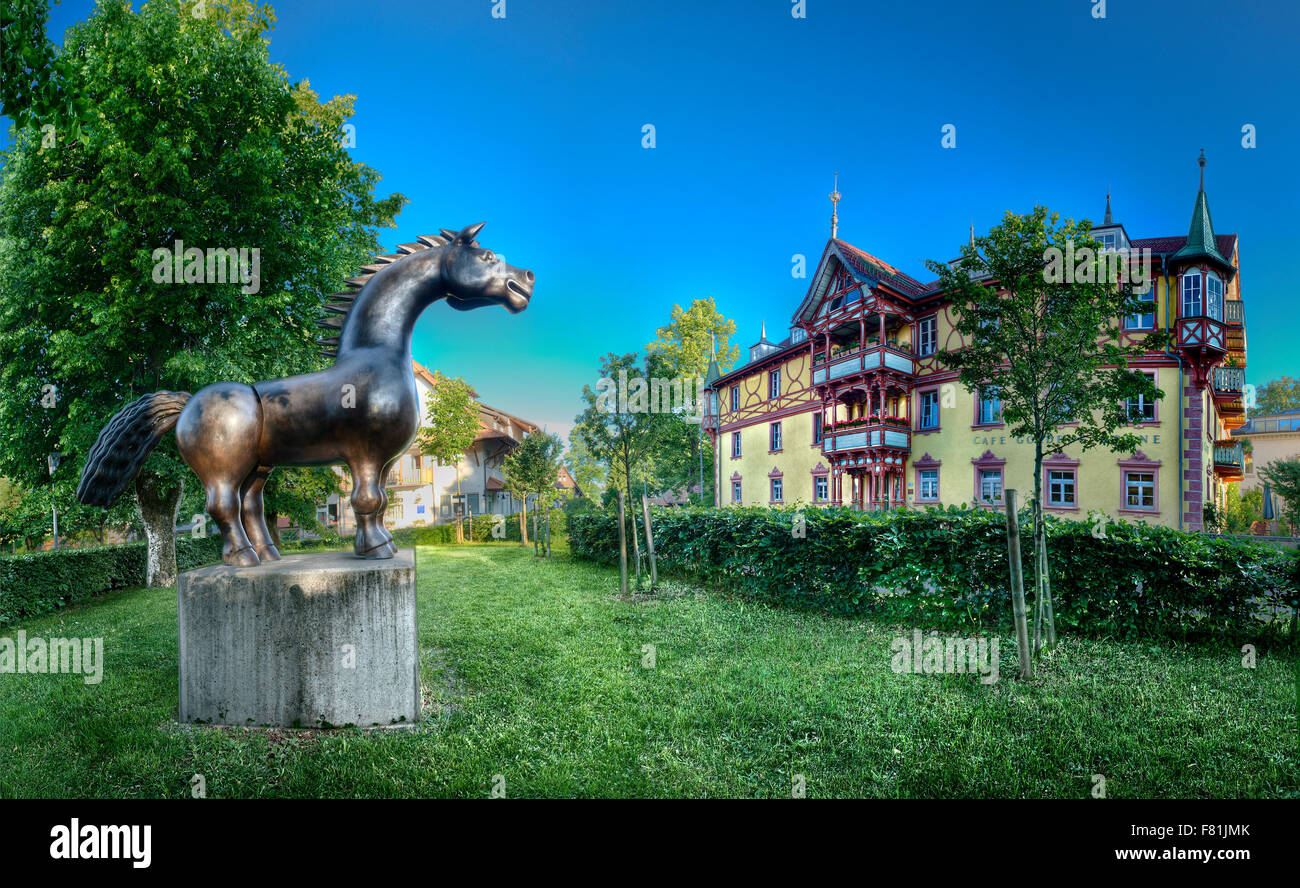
[1037, 517]
[1017, 586]
[158, 503]
[523, 524]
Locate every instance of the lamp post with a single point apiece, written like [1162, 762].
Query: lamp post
[53, 462]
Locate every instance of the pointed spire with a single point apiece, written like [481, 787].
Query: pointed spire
[1201, 243]
[835, 199]
[1108, 220]
[972, 232]
[763, 335]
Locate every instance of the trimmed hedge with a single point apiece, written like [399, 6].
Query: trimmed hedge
[44, 582]
[948, 568]
[442, 534]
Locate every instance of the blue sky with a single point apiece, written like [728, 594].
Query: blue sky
[533, 123]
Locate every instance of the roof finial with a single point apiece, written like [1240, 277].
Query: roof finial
[835, 199]
[1201, 162]
[763, 334]
[713, 345]
[1107, 220]
[972, 232]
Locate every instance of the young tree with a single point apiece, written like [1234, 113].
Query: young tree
[532, 469]
[1047, 344]
[618, 428]
[588, 472]
[198, 140]
[450, 427]
[1283, 475]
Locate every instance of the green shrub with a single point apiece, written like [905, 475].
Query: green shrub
[948, 567]
[44, 582]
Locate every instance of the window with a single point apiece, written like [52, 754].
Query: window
[735, 444]
[1060, 487]
[774, 436]
[817, 427]
[930, 409]
[991, 485]
[774, 384]
[821, 488]
[444, 505]
[928, 335]
[735, 493]
[1191, 295]
[1214, 294]
[1108, 240]
[1140, 490]
[1142, 409]
[1146, 318]
[776, 490]
[928, 484]
[990, 407]
[735, 397]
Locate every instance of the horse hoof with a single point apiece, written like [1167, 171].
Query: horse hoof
[268, 553]
[244, 557]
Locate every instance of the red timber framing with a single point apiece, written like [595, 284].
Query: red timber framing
[863, 373]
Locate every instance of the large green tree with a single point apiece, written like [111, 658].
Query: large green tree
[198, 139]
[1283, 475]
[1047, 343]
[682, 350]
[1277, 395]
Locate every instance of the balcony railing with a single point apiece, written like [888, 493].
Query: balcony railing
[863, 437]
[1229, 458]
[1229, 381]
[398, 478]
[872, 357]
[1235, 313]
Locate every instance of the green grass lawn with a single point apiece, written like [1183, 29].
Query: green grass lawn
[534, 672]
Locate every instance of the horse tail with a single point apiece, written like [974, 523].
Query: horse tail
[124, 443]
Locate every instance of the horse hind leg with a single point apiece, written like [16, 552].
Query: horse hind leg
[224, 507]
[217, 434]
[253, 514]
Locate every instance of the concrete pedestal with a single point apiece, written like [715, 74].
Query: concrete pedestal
[318, 640]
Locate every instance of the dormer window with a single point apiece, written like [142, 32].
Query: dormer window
[1109, 240]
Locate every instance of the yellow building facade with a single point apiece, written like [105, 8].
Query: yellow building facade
[854, 408]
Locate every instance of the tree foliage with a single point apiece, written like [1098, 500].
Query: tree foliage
[451, 419]
[1277, 396]
[1049, 346]
[686, 342]
[197, 138]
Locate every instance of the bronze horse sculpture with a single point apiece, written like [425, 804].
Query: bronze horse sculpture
[362, 411]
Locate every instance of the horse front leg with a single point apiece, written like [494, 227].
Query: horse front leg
[369, 502]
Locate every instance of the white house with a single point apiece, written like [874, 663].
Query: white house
[420, 492]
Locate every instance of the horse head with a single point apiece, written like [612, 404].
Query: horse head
[474, 277]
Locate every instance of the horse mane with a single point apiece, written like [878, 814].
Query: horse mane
[337, 305]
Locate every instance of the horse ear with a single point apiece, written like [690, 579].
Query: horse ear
[471, 231]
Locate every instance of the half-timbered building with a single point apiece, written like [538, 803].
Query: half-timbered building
[853, 406]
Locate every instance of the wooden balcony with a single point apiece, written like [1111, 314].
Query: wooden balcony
[1229, 460]
[878, 437]
[1234, 314]
[1202, 334]
[846, 365]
